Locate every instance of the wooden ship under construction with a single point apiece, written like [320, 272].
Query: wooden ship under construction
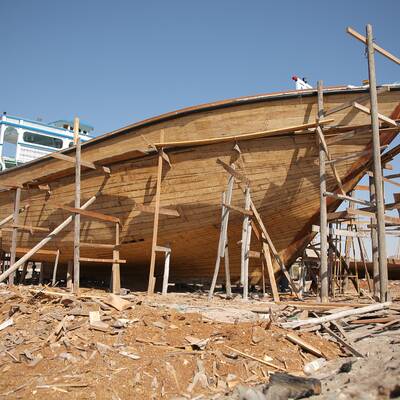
[175, 167]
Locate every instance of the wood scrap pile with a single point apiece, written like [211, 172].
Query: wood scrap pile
[105, 346]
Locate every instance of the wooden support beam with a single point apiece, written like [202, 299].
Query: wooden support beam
[323, 204]
[11, 216]
[167, 260]
[102, 260]
[246, 240]
[328, 156]
[116, 273]
[270, 269]
[240, 177]
[248, 136]
[161, 210]
[240, 210]
[383, 118]
[373, 45]
[98, 245]
[348, 198]
[11, 185]
[349, 104]
[362, 187]
[30, 228]
[42, 252]
[87, 164]
[275, 253]
[17, 207]
[70, 273]
[55, 268]
[90, 214]
[162, 249]
[387, 218]
[151, 282]
[354, 155]
[77, 216]
[254, 254]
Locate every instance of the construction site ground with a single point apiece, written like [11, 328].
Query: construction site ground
[55, 345]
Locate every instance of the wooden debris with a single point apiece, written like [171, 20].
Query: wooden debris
[117, 302]
[304, 345]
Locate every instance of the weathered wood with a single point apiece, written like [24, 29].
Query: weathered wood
[240, 210]
[43, 252]
[323, 274]
[284, 386]
[98, 245]
[17, 207]
[240, 177]
[70, 273]
[304, 345]
[166, 272]
[90, 214]
[387, 218]
[77, 202]
[116, 274]
[373, 45]
[348, 346]
[11, 216]
[270, 269]
[151, 282]
[335, 316]
[102, 260]
[246, 240]
[55, 268]
[354, 155]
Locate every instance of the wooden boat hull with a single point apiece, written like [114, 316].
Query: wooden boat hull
[283, 171]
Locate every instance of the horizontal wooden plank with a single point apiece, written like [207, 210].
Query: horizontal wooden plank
[30, 228]
[98, 245]
[151, 209]
[102, 260]
[254, 254]
[44, 252]
[240, 210]
[246, 136]
[362, 187]
[348, 198]
[393, 220]
[163, 249]
[70, 159]
[90, 214]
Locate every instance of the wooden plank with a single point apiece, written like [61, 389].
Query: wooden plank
[162, 249]
[102, 260]
[362, 187]
[116, 274]
[248, 136]
[151, 282]
[383, 118]
[240, 210]
[348, 198]
[270, 270]
[30, 228]
[304, 345]
[77, 200]
[17, 207]
[70, 273]
[11, 216]
[98, 245]
[349, 104]
[164, 289]
[368, 214]
[87, 164]
[161, 210]
[55, 268]
[354, 155]
[379, 49]
[43, 252]
[240, 177]
[11, 185]
[254, 254]
[88, 213]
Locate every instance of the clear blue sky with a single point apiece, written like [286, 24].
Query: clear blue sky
[116, 62]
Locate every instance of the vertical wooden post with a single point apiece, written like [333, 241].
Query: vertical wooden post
[23, 274]
[323, 208]
[116, 275]
[151, 283]
[14, 233]
[55, 267]
[270, 268]
[380, 201]
[77, 217]
[166, 272]
[374, 242]
[246, 239]
[70, 270]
